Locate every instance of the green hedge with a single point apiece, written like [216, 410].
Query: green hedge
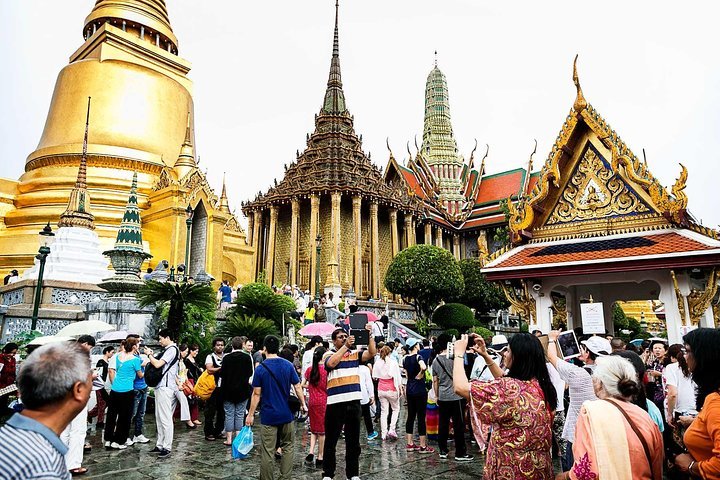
[454, 315]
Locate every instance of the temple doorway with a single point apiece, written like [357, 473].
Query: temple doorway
[198, 240]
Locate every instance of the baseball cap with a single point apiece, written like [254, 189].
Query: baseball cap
[412, 342]
[498, 343]
[598, 345]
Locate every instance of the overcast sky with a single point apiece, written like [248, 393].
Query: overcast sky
[652, 69]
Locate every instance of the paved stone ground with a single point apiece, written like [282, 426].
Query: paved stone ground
[194, 457]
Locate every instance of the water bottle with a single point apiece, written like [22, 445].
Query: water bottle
[451, 348]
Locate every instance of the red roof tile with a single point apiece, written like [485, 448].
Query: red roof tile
[645, 245]
[413, 183]
[499, 187]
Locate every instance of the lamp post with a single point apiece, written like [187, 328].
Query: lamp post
[188, 222]
[318, 244]
[46, 239]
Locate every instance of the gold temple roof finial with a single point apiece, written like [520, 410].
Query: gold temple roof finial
[387, 142]
[580, 102]
[224, 205]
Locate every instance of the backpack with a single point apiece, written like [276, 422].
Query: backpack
[205, 386]
[320, 314]
[153, 375]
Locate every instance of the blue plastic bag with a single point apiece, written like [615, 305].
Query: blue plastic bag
[243, 443]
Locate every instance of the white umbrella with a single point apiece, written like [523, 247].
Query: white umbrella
[84, 327]
[49, 339]
[115, 336]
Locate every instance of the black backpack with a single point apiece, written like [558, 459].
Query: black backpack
[153, 375]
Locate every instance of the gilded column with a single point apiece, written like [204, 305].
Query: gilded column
[456, 246]
[375, 240]
[335, 198]
[428, 234]
[357, 203]
[257, 228]
[270, 261]
[394, 239]
[251, 222]
[409, 230]
[438, 237]
[314, 211]
[294, 241]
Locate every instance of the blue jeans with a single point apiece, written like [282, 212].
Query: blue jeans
[139, 410]
[234, 416]
[568, 461]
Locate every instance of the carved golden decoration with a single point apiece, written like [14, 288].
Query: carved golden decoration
[482, 247]
[164, 181]
[594, 191]
[679, 297]
[580, 102]
[522, 303]
[698, 302]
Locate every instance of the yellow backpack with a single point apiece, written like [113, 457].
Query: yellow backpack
[205, 386]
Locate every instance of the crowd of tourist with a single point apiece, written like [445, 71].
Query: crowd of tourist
[611, 412]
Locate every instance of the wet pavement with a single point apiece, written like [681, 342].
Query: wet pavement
[194, 457]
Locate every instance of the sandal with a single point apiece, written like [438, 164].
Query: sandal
[227, 444]
[78, 471]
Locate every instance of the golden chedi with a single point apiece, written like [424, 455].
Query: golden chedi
[141, 120]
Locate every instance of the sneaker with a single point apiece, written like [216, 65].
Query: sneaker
[411, 447]
[426, 450]
[392, 435]
[464, 458]
[319, 463]
[383, 437]
[164, 453]
[140, 439]
[129, 442]
[156, 450]
[372, 436]
[107, 445]
[117, 446]
[327, 478]
[355, 478]
[310, 459]
[444, 455]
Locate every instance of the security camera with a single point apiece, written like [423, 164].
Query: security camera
[536, 286]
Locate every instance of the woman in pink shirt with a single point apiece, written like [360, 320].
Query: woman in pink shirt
[387, 371]
[315, 379]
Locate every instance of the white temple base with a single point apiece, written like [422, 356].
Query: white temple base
[75, 256]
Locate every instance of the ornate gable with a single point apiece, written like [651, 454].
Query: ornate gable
[592, 184]
[594, 191]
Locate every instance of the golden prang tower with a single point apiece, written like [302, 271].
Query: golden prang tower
[141, 121]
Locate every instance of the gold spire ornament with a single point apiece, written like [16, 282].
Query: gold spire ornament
[77, 213]
[580, 102]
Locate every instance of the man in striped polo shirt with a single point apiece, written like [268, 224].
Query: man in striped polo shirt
[343, 401]
[55, 383]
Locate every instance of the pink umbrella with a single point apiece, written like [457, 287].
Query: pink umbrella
[322, 329]
[371, 316]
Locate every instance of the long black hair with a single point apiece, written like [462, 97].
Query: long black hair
[528, 362]
[639, 399]
[315, 370]
[704, 346]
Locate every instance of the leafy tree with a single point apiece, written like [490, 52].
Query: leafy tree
[424, 275]
[454, 316]
[478, 293]
[620, 320]
[258, 300]
[240, 324]
[501, 235]
[482, 331]
[177, 297]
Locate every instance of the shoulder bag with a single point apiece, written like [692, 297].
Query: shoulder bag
[293, 401]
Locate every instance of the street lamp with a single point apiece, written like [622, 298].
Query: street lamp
[318, 244]
[46, 239]
[188, 222]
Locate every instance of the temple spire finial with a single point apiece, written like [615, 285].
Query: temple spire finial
[334, 103]
[188, 139]
[224, 205]
[435, 58]
[77, 213]
[580, 102]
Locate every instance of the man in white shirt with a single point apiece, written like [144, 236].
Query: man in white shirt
[165, 399]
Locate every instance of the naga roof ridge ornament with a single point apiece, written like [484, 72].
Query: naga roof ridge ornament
[580, 102]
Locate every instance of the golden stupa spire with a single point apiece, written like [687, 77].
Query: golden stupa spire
[150, 16]
[580, 102]
[186, 160]
[77, 213]
[224, 206]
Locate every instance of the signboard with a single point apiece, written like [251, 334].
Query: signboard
[593, 319]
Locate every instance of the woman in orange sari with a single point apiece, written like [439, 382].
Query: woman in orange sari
[518, 406]
[615, 439]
